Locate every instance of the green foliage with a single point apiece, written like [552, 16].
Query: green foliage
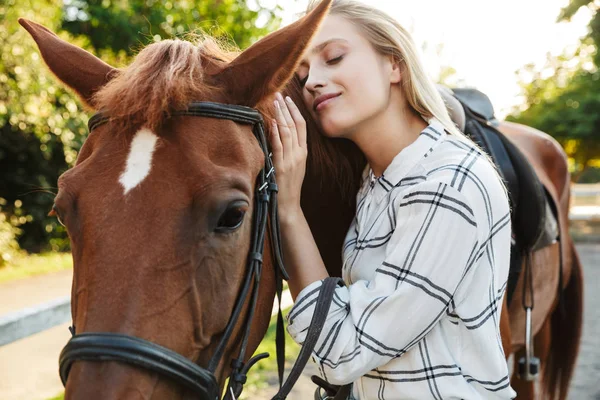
[43, 125]
[118, 25]
[563, 99]
[594, 25]
[591, 175]
[9, 230]
[572, 8]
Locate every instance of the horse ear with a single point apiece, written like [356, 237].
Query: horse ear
[74, 66]
[266, 66]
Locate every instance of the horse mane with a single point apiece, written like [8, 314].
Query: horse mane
[165, 76]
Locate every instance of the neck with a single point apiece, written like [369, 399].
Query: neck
[383, 137]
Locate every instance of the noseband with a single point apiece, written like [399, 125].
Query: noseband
[105, 346]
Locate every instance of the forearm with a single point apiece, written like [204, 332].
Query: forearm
[301, 255]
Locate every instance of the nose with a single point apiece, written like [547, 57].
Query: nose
[315, 81]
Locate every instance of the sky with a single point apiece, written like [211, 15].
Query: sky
[486, 41]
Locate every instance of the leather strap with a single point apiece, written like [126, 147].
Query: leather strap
[314, 330]
[332, 392]
[132, 350]
[343, 393]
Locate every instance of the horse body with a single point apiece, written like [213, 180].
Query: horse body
[550, 164]
[557, 315]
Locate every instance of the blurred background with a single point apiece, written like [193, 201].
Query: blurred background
[536, 59]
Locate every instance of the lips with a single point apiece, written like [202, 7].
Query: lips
[323, 100]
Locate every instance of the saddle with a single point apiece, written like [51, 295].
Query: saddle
[533, 215]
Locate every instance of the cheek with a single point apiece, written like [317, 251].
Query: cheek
[369, 89]
[365, 93]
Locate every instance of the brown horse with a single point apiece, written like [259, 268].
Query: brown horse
[159, 206]
[148, 193]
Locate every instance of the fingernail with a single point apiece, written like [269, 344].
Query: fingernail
[276, 103]
[289, 99]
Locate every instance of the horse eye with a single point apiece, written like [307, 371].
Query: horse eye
[232, 218]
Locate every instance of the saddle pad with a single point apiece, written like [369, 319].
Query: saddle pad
[533, 223]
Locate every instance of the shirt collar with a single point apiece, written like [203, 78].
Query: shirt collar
[404, 161]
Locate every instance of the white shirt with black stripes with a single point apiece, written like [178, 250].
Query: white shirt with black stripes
[425, 265]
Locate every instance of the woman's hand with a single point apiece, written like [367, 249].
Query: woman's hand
[288, 142]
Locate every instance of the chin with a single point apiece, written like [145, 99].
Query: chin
[334, 129]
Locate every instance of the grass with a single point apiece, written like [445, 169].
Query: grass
[264, 373]
[35, 264]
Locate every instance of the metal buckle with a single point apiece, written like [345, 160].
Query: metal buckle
[322, 396]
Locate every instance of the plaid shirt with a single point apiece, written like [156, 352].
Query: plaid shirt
[425, 264]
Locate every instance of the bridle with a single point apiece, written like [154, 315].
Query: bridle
[105, 346]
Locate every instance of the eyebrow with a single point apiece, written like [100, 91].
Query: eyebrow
[321, 46]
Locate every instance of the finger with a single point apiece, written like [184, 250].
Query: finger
[299, 121]
[288, 119]
[276, 146]
[284, 131]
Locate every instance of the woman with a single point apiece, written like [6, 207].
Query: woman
[426, 257]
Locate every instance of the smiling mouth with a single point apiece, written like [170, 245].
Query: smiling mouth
[325, 102]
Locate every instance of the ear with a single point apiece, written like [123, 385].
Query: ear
[396, 71]
[74, 66]
[265, 67]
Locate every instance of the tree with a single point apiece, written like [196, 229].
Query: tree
[42, 125]
[569, 113]
[117, 25]
[562, 97]
[594, 25]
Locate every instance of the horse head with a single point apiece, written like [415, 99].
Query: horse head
[160, 206]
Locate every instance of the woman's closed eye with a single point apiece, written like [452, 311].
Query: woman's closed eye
[331, 61]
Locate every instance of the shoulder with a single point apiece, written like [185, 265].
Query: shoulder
[468, 173]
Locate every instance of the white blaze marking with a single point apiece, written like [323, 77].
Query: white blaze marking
[139, 160]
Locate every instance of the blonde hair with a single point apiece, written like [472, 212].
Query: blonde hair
[389, 38]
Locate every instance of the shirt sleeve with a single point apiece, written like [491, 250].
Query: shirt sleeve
[370, 322]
